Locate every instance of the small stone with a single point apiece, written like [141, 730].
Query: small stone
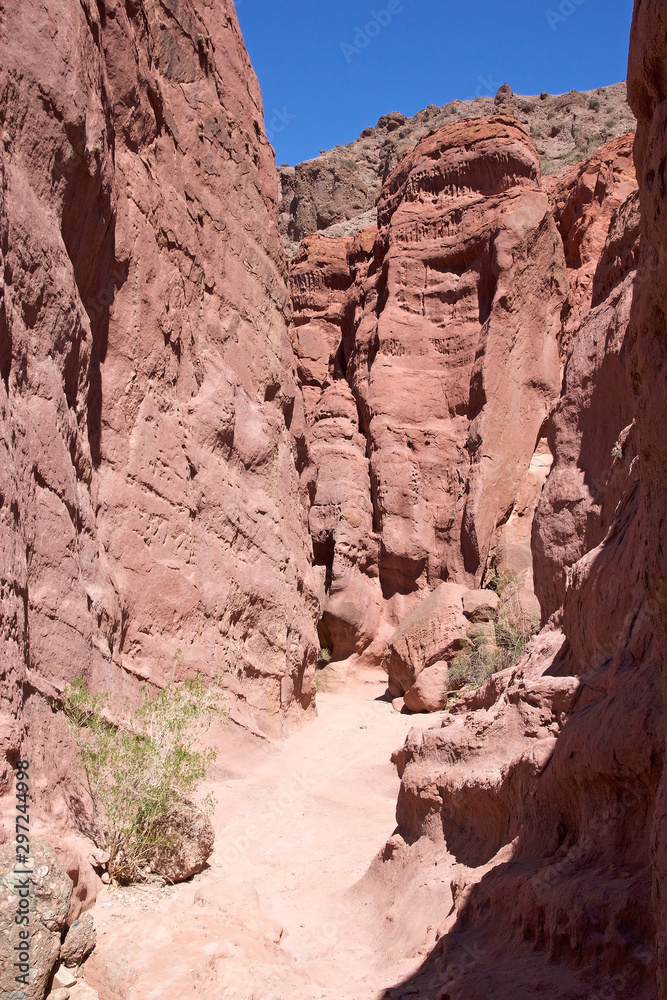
[106, 878]
[59, 994]
[63, 978]
[79, 942]
[398, 704]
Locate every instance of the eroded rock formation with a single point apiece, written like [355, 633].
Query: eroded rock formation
[166, 452]
[432, 333]
[151, 422]
[530, 849]
[589, 432]
[337, 191]
[47, 890]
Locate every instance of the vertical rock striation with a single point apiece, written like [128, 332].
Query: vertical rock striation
[539, 805]
[441, 328]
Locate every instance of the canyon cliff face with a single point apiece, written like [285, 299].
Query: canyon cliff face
[522, 856]
[338, 190]
[188, 485]
[529, 857]
[647, 88]
[428, 355]
[589, 431]
[151, 423]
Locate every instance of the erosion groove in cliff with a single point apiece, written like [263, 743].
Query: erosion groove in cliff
[515, 804]
[150, 417]
[411, 352]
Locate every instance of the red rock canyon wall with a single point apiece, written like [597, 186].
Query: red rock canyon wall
[151, 422]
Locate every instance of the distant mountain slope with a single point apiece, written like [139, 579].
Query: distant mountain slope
[343, 184]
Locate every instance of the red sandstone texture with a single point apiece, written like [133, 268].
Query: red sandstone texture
[530, 849]
[590, 430]
[158, 461]
[151, 423]
[523, 848]
[647, 92]
[437, 331]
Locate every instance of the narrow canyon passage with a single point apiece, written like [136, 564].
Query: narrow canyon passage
[297, 824]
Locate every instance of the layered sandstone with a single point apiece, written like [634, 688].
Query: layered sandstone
[589, 431]
[522, 858]
[413, 344]
[152, 519]
[529, 857]
[337, 191]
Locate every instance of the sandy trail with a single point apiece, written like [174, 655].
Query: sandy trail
[297, 823]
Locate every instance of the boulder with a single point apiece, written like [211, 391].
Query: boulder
[481, 605]
[50, 891]
[79, 942]
[188, 838]
[504, 94]
[429, 692]
[435, 631]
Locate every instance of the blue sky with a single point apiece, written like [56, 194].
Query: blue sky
[323, 80]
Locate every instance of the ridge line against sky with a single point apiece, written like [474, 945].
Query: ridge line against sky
[330, 68]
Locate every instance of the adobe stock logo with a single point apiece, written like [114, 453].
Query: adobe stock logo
[565, 9]
[363, 36]
[279, 121]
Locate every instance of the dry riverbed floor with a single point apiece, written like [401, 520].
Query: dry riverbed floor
[297, 824]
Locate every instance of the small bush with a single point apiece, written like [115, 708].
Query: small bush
[138, 772]
[472, 669]
[502, 580]
[513, 629]
[325, 655]
[594, 105]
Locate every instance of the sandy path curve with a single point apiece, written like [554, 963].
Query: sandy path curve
[297, 823]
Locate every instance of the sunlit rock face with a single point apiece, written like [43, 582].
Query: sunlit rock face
[530, 853]
[441, 330]
[152, 427]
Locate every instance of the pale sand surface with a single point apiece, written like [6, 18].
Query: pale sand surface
[297, 823]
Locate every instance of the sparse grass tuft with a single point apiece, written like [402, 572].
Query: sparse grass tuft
[470, 669]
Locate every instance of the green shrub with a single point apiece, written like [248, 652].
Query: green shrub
[513, 628]
[137, 772]
[325, 655]
[594, 105]
[472, 669]
[501, 580]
